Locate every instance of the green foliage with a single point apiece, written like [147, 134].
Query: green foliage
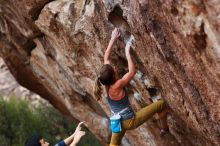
[18, 121]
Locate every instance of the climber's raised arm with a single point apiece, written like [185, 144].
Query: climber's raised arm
[131, 67]
[114, 36]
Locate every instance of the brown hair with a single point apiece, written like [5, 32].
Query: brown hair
[106, 77]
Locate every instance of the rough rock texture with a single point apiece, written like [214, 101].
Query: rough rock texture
[10, 88]
[55, 48]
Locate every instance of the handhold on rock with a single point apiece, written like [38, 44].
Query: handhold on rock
[130, 40]
[137, 96]
[155, 98]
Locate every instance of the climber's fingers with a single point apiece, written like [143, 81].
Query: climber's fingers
[115, 33]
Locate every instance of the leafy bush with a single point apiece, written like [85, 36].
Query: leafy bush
[18, 121]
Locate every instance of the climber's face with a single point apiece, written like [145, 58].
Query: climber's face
[43, 142]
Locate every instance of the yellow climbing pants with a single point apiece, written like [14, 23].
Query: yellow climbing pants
[140, 117]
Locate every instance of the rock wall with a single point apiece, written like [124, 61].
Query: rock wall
[10, 88]
[55, 48]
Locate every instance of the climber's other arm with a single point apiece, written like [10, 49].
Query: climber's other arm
[114, 36]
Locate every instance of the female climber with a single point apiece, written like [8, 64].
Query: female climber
[118, 99]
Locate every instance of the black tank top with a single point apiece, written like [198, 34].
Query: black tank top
[118, 105]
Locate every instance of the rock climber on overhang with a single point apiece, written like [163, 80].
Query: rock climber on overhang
[123, 117]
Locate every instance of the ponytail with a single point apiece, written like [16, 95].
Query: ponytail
[97, 90]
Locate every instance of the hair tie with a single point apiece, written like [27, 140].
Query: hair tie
[99, 81]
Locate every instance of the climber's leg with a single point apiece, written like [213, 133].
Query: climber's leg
[116, 138]
[147, 112]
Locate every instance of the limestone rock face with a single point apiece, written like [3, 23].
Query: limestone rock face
[10, 88]
[55, 48]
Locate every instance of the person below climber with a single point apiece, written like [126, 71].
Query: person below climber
[38, 140]
[118, 99]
